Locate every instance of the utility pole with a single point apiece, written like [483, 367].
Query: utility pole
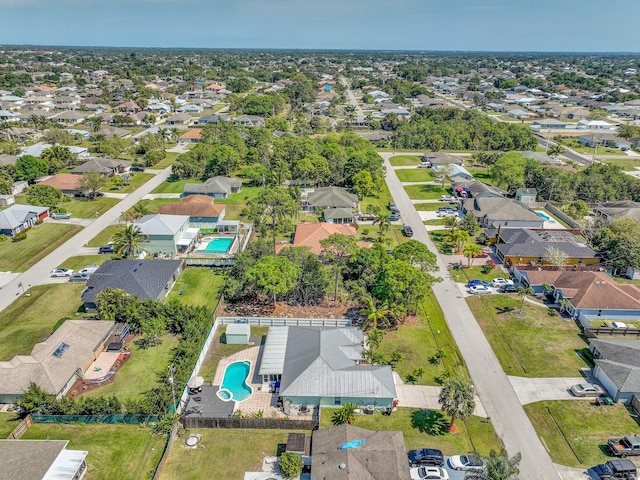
[172, 371]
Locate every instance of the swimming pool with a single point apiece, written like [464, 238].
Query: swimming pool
[234, 383]
[544, 216]
[219, 245]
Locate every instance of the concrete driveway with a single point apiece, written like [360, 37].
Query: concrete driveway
[530, 390]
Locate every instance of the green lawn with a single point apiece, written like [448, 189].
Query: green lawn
[175, 186]
[247, 194]
[426, 192]
[76, 263]
[482, 174]
[86, 208]
[221, 350]
[41, 241]
[165, 162]
[437, 221]
[440, 239]
[391, 239]
[154, 204]
[541, 344]
[585, 426]
[627, 163]
[139, 373]
[405, 160]
[136, 180]
[30, 319]
[428, 429]
[419, 342]
[8, 422]
[380, 200]
[414, 175]
[475, 273]
[227, 454]
[116, 452]
[430, 207]
[234, 211]
[105, 236]
[200, 286]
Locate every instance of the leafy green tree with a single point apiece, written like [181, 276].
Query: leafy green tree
[457, 399]
[337, 248]
[363, 184]
[498, 466]
[384, 222]
[373, 314]
[471, 250]
[223, 160]
[401, 286]
[114, 146]
[272, 210]
[257, 173]
[29, 168]
[58, 157]
[274, 275]
[312, 282]
[44, 195]
[33, 399]
[290, 465]
[93, 182]
[469, 223]
[509, 171]
[345, 414]
[417, 254]
[128, 241]
[523, 292]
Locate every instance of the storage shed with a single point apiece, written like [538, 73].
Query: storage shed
[238, 334]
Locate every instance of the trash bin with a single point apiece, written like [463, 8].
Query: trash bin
[608, 401]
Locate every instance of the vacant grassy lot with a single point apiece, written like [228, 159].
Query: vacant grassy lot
[585, 426]
[541, 344]
[426, 192]
[418, 340]
[105, 236]
[405, 160]
[475, 273]
[483, 175]
[139, 373]
[228, 453]
[428, 429]
[220, 350]
[391, 239]
[414, 175]
[116, 452]
[86, 208]
[437, 221]
[247, 194]
[199, 286]
[8, 421]
[175, 186]
[625, 163]
[76, 263]
[30, 319]
[41, 241]
[431, 206]
[165, 162]
[441, 240]
[136, 180]
[380, 200]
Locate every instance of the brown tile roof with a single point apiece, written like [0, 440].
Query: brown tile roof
[310, 234]
[193, 133]
[194, 206]
[64, 181]
[590, 290]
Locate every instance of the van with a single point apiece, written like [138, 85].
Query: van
[89, 269]
[426, 164]
[106, 249]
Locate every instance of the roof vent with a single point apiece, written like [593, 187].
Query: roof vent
[342, 466]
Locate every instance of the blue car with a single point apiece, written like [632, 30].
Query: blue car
[475, 283]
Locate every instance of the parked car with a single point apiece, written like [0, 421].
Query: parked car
[625, 446]
[408, 231]
[615, 324]
[425, 165]
[394, 216]
[465, 462]
[447, 198]
[587, 390]
[500, 282]
[481, 255]
[79, 277]
[479, 290]
[137, 168]
[62, 272]
[615, 469]
[366, 216]
[426, 456]
[106, 249]
[508, 289]
[393, 208]
[89, 269]
[428, 473]
[473, 283]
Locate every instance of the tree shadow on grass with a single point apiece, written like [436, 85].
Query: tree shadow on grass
[431, 422]
[501, 310]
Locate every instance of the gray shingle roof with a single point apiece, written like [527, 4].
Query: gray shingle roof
[143, 278]
[213, 185]
[620, 361]
[16, 215]
[101, 165]
[500, 209]
[529, 243]
[332, 197]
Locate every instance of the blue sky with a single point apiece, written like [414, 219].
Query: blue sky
[494, 25]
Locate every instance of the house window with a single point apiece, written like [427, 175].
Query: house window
[337, 400]
[579, 261]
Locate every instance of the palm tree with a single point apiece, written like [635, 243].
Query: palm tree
[471, 250]
[373, 314]
[456, 399]
[523, 292]
[556, 150]
[128, 240]
[374, 338]
[498, 466]
[345, 414]
[451, 222]
[385, 224]
[459, 238]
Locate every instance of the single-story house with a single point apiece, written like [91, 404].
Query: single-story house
[347, 452]
[70, 117]
[6, 159]
[104, 166]
[477, 189]
[310, 234]
[520, 246]
[7, 200]
[107, 132]
[210, 119]
[249, 121]
[573, 113]
[548, 123]
[329, 197]
[338, 215]
[216, 187]
[457, 172]
[604, 139]
[168, 234]
[19, 217]
[180, 119]
[193, 135]
[202, 212]
[541, 157]
[57, 362]
[146, 279]
[440, 158]
[41, 460]
[595, 125]
[322, 367]
[619, 209]
[521, 114]
[503, 212]
[526, 195]
[68, 183]
[617, 366]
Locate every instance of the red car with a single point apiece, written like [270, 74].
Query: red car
[481, 255]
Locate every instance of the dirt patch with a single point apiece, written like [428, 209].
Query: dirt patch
[412, 321]
[327, 309]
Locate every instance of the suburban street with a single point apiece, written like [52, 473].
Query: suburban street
[71, 247]
[492, 384]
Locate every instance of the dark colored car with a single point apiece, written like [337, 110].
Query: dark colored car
[426, 456]
[615, 469]
[137, 168]
[475, 283]
[394, 216]
[408, 231]
[508, 289]
[106, 249]
[79, 277]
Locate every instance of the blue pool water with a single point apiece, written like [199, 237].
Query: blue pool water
[235, 381]
[219, 245]
[545, 217]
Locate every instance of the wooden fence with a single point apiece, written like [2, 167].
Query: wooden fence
[296, 322]
[22, 427]
[167, 449]
[254, 423]
[595, 332]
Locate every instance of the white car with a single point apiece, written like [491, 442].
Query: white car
[501, 282]
[428, 473]
[465, 462]
[479, 290]
[62, 272]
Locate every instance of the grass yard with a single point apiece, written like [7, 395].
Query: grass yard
[41, 241]
[8, 422]
[227, 452]
[116, 452]
[430, 207]
[166, 162]
[30, 319]
[380, 200]
[200, 286]
[105, 236]
[483, 175]
[405, 160]
[418, 342]
[414, 175]
[585, 426]
[234, 211]
[139, 373]
[428, 429]
[76, 263]
[136, 180]
[247, 194]
[86, 208]
[175, 186]
[542, 344]
[627, 164]
[437, 221]
[220, 350]
[475, 273]
[441, 240]
[426, 192]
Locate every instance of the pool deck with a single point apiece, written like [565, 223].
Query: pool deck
[233, 248]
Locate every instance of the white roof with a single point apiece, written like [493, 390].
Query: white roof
[66, 466]
[238, 329]
[275, 348]
[160, 224]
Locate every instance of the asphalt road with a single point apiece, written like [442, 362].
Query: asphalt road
[41, 270]
[570, 154]
[492, 384]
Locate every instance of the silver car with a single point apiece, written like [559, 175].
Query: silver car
[587, 390]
